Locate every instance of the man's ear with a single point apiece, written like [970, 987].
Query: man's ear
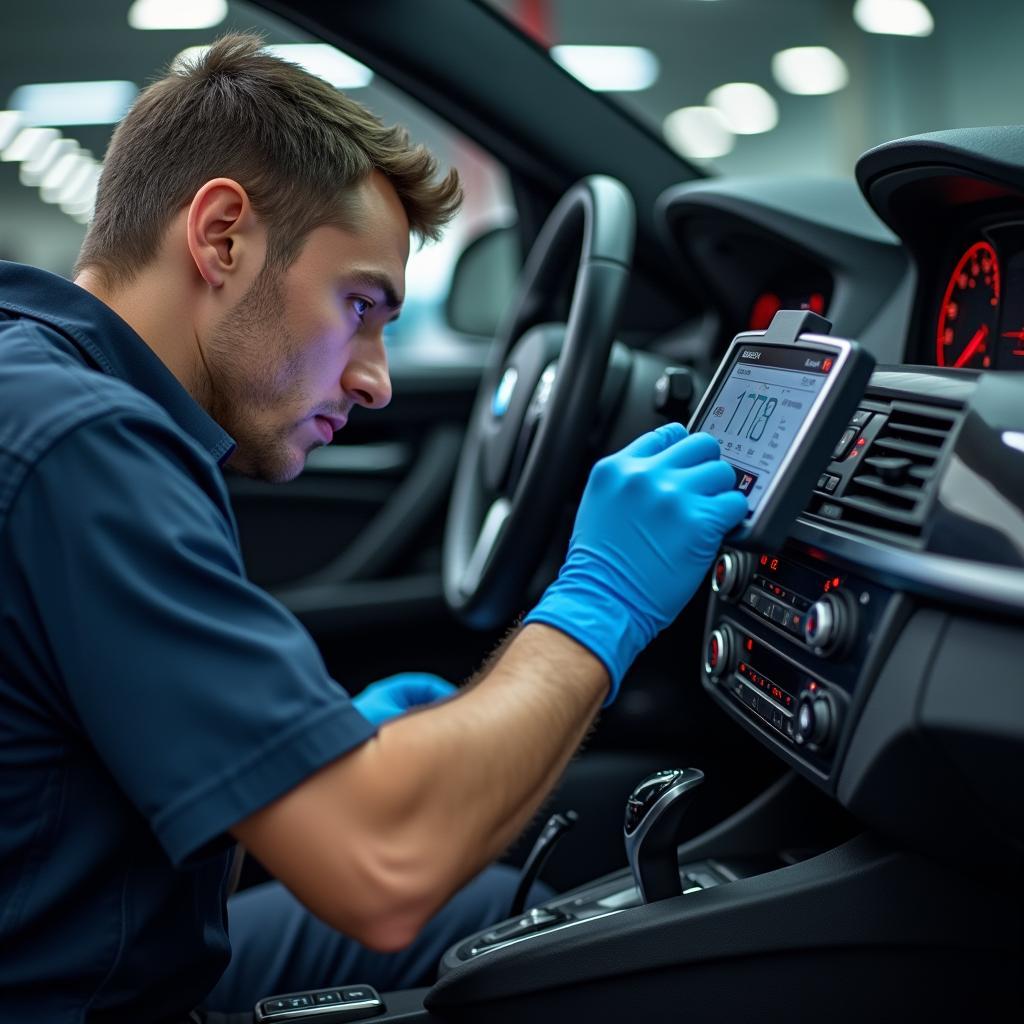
[224, 237]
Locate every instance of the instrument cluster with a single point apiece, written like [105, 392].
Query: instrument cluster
[978, 318]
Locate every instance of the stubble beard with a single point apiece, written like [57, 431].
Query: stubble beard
[251, 360]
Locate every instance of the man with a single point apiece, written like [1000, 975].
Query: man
[249, 246]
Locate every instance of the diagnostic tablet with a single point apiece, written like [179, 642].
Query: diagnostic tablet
[777, 405]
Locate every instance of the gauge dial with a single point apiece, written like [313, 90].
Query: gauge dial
[969, 314]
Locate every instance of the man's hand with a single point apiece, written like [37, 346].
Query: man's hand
[388, 698]
[651, 520]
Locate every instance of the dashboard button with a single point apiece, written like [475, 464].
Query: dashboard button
[844, 442]
[831, 482]
[830, 510]
[861, 417]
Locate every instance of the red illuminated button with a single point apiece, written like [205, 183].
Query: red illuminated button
[718, 657]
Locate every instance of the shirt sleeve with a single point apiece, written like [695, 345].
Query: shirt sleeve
[205, 698]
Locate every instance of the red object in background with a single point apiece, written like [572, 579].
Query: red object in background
[969, 310]
[766, 305]
[534, 18]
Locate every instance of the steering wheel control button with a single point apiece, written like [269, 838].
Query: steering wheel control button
[673, 394]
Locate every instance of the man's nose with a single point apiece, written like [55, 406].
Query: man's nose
[366, 376]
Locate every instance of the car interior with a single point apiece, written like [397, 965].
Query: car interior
[819, 764]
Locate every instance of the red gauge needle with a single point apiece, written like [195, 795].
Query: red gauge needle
[972, 346]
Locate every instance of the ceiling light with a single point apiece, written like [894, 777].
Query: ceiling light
[809, 70]
[63, 103]
[609, 68]
[74, 189]
[894, 17]
[320, 59]
[32, 171]
[79, 192]
[698, 132]
[58, 176]
[176, 14]
[747, 108]
[10, 124]
[29, 144]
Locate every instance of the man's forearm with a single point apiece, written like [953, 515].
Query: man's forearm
[377, 841]
[489, 757]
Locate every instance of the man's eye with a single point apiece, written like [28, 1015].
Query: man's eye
[361, 306]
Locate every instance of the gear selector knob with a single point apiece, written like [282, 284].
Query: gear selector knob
[653, 813]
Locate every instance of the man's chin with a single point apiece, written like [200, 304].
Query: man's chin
[277, 467]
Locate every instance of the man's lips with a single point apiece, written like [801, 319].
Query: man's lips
[328, 425]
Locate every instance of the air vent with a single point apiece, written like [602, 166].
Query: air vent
[889, 491]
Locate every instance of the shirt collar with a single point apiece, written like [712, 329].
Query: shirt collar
[110, 344]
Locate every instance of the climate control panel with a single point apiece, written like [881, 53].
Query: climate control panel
[788, 639]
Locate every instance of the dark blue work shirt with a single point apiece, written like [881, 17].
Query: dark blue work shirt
[150, 695]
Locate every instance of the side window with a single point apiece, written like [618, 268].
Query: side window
[63, 100]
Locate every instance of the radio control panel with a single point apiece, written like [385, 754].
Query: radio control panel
[789, 640]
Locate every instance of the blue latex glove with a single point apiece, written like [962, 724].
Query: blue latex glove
[388, 698]
[651, 520]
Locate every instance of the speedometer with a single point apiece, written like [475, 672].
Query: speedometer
[969, 314]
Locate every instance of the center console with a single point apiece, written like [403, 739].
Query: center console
[789, 637]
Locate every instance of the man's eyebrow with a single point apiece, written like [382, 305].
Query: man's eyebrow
[380, 282]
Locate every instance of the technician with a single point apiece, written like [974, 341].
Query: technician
[249, 246]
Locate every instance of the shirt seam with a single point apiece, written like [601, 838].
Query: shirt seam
[87, 343]
[164, 821]
[31, 466]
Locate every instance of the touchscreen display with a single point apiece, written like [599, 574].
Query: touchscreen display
[759, 409]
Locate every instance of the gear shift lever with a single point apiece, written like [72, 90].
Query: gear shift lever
[653, 813]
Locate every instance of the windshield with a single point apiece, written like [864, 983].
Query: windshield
[784, 87]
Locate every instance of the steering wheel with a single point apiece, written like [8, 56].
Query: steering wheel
[536, 404]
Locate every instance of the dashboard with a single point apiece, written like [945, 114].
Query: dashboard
[876, 652]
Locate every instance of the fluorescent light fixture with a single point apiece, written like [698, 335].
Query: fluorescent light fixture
[894, 17]
[176, 14]
[748, 109]
[700, 133]
[58, 176]
[810, 70]
[609, 68]
[320, 59]
[79, 194]
[33, 171]
[29, 144]
[80, 184]
[10, 125]
[63, 103]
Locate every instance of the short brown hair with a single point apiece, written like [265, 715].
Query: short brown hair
[296, 144]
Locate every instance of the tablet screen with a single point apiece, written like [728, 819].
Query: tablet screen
[761, 406]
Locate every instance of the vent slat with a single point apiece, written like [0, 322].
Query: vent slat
[904, 491]
[922, 432]
[907, 447]
[880, 509]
